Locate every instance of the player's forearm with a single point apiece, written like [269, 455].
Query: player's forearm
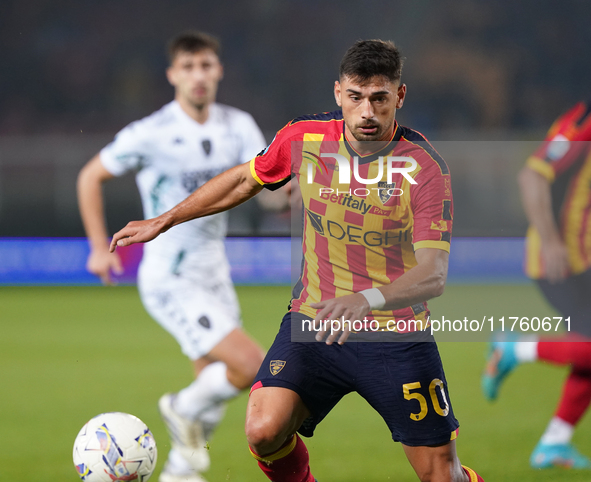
[536, 197]
[221, 193]
[90, 204]
[421, 283]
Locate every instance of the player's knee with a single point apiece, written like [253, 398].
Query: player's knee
[263, 436]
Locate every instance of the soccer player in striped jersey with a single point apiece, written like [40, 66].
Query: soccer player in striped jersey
[377, 230]
[556, 191]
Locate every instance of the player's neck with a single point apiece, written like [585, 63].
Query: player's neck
[199, 113]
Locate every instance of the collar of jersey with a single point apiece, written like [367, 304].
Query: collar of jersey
[375, 155]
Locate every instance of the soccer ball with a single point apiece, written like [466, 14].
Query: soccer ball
[115, 447]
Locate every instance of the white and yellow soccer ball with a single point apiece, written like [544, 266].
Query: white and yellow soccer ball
[115, 447]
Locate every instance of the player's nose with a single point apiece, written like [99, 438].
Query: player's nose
[198, 75]
[367, 111]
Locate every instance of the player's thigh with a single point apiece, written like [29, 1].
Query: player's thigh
[273, 414]
[198, 316]
[406, 384]
[439, 463]
[319, 374]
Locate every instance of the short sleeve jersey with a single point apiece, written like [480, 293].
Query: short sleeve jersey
[173, 155]
[362, 234]
[564, 159]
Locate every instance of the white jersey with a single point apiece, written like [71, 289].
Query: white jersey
[173, 156]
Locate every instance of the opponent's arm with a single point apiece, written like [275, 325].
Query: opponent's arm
[221, 193]
[421, 283]
[90, 202]
[536, 197]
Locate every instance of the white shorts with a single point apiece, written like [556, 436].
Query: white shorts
[197, 312]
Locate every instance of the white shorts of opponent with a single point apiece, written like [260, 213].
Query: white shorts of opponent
[198, 309]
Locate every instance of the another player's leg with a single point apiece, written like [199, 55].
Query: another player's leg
[573, 349]
[505, 356]
[205, 322]
[272, 417]
[555, 447]
[570, 298]
[507, 350]
[192, 414]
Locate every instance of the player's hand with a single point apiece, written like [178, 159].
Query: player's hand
[555, 259]
[102, 263]
[351, 307]
[138, 232]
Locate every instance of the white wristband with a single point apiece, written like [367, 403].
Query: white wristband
[375, 298]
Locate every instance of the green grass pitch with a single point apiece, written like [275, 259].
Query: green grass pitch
[67, 354]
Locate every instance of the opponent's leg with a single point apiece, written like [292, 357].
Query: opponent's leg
[439, 464]
[229, 367]
[193, 413]
[204, 319]
[273, 415]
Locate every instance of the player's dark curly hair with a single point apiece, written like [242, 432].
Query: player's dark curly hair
[192, 41]
[371, 58]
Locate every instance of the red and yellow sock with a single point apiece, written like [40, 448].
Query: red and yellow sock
[289, 464]
[474, 477]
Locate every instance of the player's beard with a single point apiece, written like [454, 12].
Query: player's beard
[376, 136]
[200, 102]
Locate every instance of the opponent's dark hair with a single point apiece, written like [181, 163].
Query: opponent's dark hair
[372, 58]
[192, 41]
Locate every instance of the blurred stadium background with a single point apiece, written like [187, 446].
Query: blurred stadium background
[485, 79]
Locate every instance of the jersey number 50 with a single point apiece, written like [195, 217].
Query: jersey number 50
[407, 387]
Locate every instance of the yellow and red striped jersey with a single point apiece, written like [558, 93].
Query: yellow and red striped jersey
[363, 233]
[564, 158]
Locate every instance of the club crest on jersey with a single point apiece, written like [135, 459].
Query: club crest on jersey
[206, 144]
[385, 191]
[276, 366]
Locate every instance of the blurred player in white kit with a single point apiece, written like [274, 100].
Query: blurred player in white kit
[184, 277]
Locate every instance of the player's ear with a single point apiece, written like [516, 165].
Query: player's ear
[170, 76]
[400, 95]
[337, 93]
